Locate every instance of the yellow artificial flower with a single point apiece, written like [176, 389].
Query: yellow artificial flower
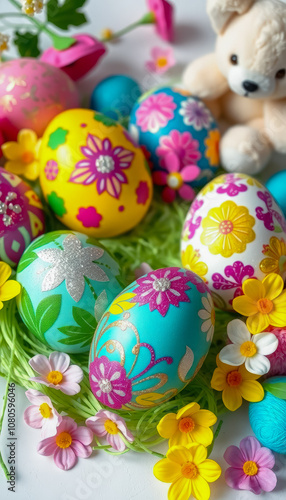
[190, 260]
[8, 289]
[275, 261]
[236, 383]
[189, 471]
[23, 154]
[212, 145]
[190, 424]
[227, 229]
[264, 302]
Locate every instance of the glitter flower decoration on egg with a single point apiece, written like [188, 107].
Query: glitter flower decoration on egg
[71, 265]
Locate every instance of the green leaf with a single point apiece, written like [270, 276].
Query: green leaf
[47, 313]
[27, 44]
[26, 261]
[108, 122]
[27, 311]
[63, 42]
[81, 334]
[278, 390]
[66, 14]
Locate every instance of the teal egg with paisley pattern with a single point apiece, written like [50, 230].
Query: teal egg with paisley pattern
[152, 340]
[67, 281]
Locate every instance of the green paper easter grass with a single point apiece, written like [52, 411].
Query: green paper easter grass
[155, 241]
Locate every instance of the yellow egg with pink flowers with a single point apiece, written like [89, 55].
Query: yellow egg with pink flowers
[94, 176]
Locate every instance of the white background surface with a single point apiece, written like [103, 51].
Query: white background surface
[129, 477]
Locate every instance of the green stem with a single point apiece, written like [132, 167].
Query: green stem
[4, 467]
[59, 42]
[149, 18]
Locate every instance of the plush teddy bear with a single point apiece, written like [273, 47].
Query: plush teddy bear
[244, 81]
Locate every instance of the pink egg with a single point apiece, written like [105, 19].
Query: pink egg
[32, 93]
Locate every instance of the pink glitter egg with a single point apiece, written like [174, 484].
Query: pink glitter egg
[21, 217]
[32, 93]
[278, 358]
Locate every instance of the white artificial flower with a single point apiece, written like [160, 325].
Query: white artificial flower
[249, 349]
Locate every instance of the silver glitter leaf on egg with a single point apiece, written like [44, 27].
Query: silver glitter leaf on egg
[72, 265]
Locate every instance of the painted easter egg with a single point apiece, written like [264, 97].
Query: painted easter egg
[21, 217]
[152, 340]
[115, 96]
[94, 177]
[169, 121]
[234, 230]
[31, 94]
[68, 280]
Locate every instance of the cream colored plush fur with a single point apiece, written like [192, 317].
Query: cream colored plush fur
[244, 80]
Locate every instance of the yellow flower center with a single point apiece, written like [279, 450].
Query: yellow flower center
[226, 227]
[45, 410]
[55, 377]
[111, 427]
[64, 440]
[234, 378]
[175, 180]
[186, 425]
[248, 349]
[213, 317]
[28, 157]
[189, 470]
[250, 468]
[265, 306]
[162, 62]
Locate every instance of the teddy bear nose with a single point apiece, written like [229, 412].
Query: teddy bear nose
[250, 86]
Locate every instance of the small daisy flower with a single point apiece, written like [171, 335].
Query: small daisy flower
[42, 414]
[248, 349]
[161, 60]
[32, 7]
[4, 39]
[57, 373]
[109, 425]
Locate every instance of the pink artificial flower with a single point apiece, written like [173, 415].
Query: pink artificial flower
[164, 13]
[143, 269]
[68, 444]
[42, 414]
[176, 178]
[102, 164]
[106, 423]
[78, 59]
[278, 358]
[251, 467]
[182, 144]
[57, 373]
[162, 288]
[162, 60]
[109, 383]
[155, 112]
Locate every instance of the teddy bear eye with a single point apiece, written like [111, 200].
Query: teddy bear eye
[280, 74]
[234, 59]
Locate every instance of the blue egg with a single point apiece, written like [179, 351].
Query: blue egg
[277, 187]
[68, 280]
[152, 340]
[172, 121]
[115, 96]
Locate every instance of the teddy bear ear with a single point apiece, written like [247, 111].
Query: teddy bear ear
[221, 11]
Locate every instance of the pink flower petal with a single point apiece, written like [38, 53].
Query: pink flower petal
[190, 173]
[50, 425]
[47, 446]
[151, 66]
[233, 457]
[234, 477]
[41, 380]
[169, 195]
[73, 374]
[81, 450]
[249, 446]
[267, 479]
[33, 417]
[186, 192]
[97, 425]
[37, 398]
[172, 162]
[65, 458]
[59, 361]
[67, 425]
[84, 435]
[265, 458]
[40, 364]
[160, 178]
[123, 429]
[116, 442]
[251, 483]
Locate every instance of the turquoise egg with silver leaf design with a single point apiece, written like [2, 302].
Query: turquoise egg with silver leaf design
[152, 340]
[68, 280]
